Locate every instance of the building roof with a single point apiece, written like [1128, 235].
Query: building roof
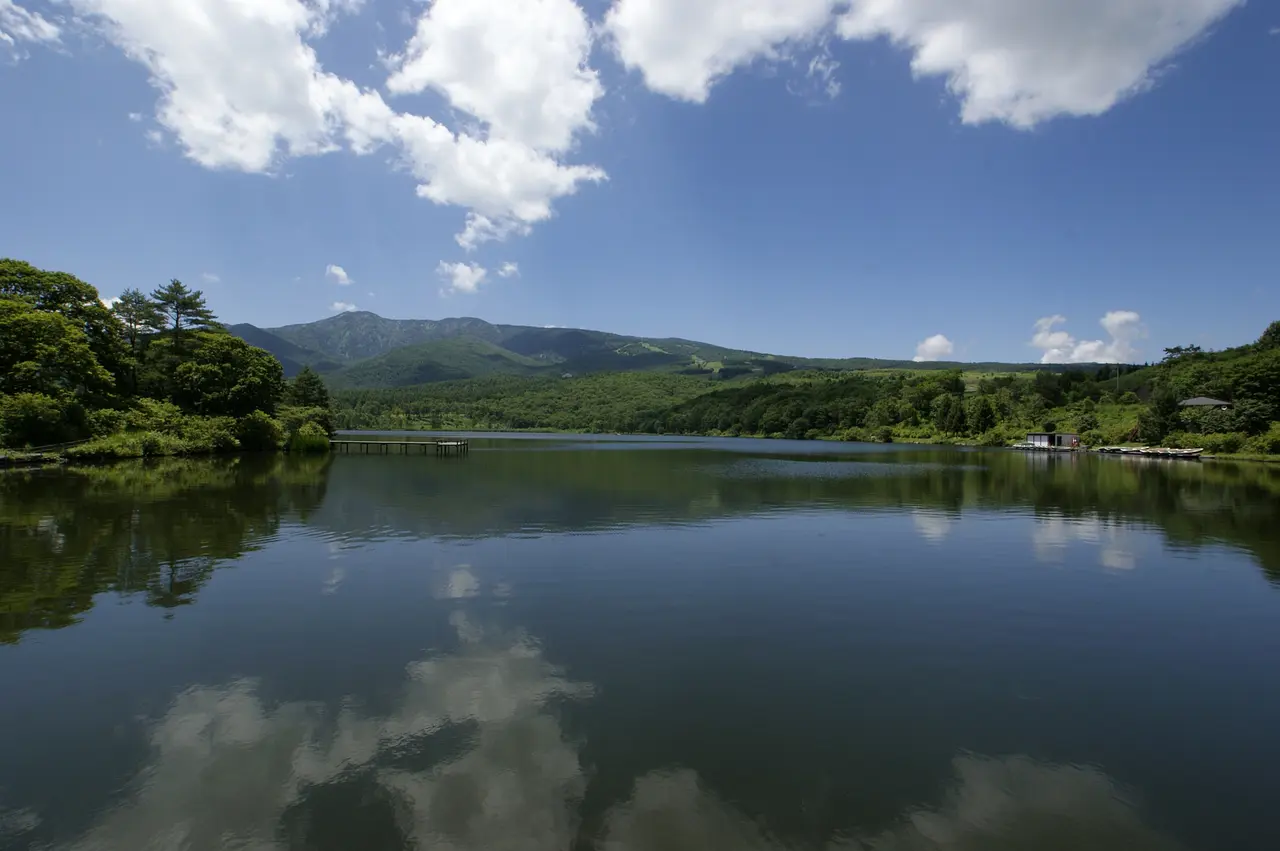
[1204, 402]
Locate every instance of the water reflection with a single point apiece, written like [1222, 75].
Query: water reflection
[1010, 804]
[155, 531]
[472, 756]
[1052, 535]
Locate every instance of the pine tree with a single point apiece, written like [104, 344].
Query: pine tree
[307, 390]
[181, 308]
[139, 315]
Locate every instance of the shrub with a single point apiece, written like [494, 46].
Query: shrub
[292, 419]
[257, 432]
[105, 421]
[1094, 437]
[309, 438]
[154, 415]
[34, 419]
[112, 446]
[1216, 444]
[209, 435]
[1267, 443]
[992, 438]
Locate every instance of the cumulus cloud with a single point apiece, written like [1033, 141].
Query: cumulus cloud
[681, 49]
[1025, 61]
[481, 229]
[937, 347]
[509, 270]
[1059, 346]
[343, 307]
[241, 88]
[338, 275]
[18, 24]
[109, 302]
[462, 277]
[1015, 61]
[521, 68]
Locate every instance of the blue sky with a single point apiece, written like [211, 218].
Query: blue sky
[971, 179]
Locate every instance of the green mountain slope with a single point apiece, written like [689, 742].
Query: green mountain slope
[350, 337]
[402, 352]
[292, 356]
[439, 360]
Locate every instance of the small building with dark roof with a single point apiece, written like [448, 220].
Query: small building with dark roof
[1204, 402]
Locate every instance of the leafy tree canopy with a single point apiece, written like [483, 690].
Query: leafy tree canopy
[47, 353]
[225, 376]
[67, 295]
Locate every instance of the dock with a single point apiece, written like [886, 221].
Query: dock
[384, 447]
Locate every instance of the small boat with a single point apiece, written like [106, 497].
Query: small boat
[1150, 452]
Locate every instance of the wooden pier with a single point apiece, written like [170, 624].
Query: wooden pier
[384, 447]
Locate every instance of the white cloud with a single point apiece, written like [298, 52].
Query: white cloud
[935, 348]
[338, 275]
[521, 68]
[462, 277]
[1016, 61]
[1025, 61]
[210, 278]
[481, 229]
[109, 302]
[1059, 346]
[241, 88]
[135, 117]
[509, 270]
[20, 24]
[343, 307]
[682, 48]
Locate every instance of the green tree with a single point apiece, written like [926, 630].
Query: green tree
[1270, 338]
[182, 309]
[307, 390]
[981, 415]
[139, 317]
[74, 300]
[225, 376]
[948, 414]
[43, 352]
[1161, 417]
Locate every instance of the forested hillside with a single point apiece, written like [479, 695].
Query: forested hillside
[1106, 405]
[364, 350]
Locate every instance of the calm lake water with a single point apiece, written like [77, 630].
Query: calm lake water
[642, 645]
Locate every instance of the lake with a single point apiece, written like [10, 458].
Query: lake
[642, 645]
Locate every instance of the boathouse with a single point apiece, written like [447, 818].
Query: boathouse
[1054, 440]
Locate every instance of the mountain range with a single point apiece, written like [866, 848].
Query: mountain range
[364, 350]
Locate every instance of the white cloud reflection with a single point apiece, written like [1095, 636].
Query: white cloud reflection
[931, 526]
[1052, 535]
